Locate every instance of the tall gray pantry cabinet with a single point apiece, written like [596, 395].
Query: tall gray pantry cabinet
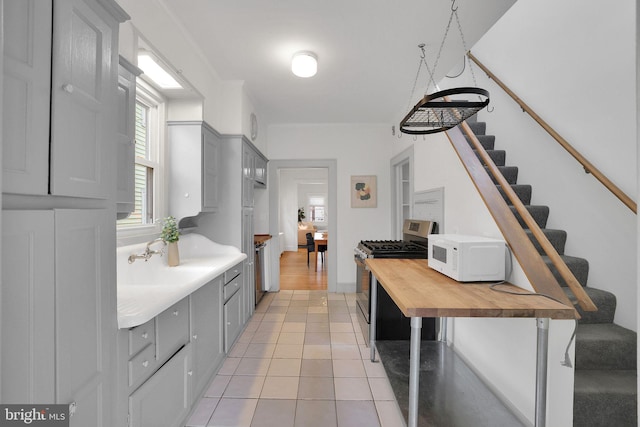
[58, 296]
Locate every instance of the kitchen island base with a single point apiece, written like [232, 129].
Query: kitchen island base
[450, 393]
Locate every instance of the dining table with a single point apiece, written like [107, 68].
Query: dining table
[319, 238]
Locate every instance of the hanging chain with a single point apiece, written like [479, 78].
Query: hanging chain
[415, 82]
[464, 45]
[423, 60]
[435, 64]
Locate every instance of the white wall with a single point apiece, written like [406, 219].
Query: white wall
[553, 56]
[360, 149]
[555, 72]
[227, 106]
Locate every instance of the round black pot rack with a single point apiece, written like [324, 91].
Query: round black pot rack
[435, 113]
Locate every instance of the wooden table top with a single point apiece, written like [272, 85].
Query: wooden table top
[420, 291]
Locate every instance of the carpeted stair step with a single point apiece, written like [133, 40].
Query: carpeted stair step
[604, 300]
[498, 156]
[578, 266]
[510, 173]
[557, 238]
[605, 346]
[605, 398]
[522, 191]
[539, 213]
[479, 128]
[487, 141]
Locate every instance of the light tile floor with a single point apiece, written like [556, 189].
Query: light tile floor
[300, 362]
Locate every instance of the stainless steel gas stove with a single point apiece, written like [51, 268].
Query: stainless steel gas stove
[390, 320]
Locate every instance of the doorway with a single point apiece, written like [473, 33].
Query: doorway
[280, 218]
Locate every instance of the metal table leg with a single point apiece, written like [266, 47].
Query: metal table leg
[541, 372]
[373, 295]
[414, 370]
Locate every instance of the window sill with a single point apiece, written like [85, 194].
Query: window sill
[137, 234]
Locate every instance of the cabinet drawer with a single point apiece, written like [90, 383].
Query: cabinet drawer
[232, 273]
[141, 336]
[141, 366]
[231, 288]
[172, 329]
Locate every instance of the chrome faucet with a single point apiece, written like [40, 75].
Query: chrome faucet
[148, 253]
[160, 252]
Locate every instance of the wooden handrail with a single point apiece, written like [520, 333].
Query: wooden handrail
[533, 265]
[586, 164]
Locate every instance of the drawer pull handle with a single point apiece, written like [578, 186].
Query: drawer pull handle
[145, 363]
[175, 313]
[145, 335]
[67, 87]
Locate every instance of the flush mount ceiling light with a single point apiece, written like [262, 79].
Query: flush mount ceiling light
[304, 64]
[156, 72]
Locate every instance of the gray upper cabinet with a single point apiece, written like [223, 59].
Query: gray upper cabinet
[26, 97]
[126, 101]
[194, 169]
[59, 89]
[261, 171]
[82, 92]
[248, 175]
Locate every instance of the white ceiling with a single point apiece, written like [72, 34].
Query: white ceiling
[367, 51]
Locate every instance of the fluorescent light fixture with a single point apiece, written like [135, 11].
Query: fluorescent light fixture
[156, 72]
[304, 64]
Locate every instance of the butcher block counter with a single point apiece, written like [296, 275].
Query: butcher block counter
[422, 292]
[419, 292]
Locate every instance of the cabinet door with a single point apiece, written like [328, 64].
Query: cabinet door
[248, 175]
[233, 318]
[27, 308]
[85, 323]
[126, 103]
[83, 85]
[210, 171]
[206, 333]
[165, 399]
[26, 97]
[261, 171]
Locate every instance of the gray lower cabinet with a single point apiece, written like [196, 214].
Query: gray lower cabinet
[233, 316]
[165, 399]
[234, 305]
[159, 368]
[27, 360]
[170, 359]
[206, 333]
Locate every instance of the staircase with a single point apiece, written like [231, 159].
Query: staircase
[605, 390]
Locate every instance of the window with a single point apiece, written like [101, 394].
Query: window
[147, 159]
[317, 208]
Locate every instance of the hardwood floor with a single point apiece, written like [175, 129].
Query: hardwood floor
[296, 275]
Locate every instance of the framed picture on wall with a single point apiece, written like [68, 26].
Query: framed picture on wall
[364, 191]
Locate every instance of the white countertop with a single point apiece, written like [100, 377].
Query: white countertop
[146, 289]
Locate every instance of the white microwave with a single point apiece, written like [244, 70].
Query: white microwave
[467, 258]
